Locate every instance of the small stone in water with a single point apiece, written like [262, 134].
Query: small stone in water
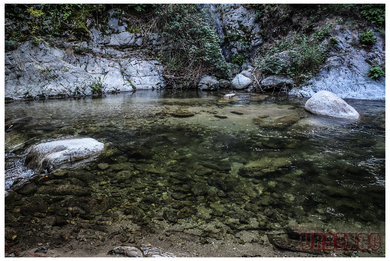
[238, 113]
[220, 116]
[103, 166]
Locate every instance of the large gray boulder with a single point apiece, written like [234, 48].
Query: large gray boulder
[241, 82]
[124, 39]
[325, 103]
[67, 153]
[278, 81]
[208, 83]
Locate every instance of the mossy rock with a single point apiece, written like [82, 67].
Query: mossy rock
[136, 213]
[82, 175]
[261, 167]
[64, 189]
[278, 123]
[32, 205]
[182, 114]
[170, 215]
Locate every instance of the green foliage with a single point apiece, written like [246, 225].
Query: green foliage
[138, 7]
[97, 87]
[238, 59]
[367, 38]
[375, 13]
[11, 45]
[333, 40]
[194, 45]
[375, 72]
[299, 57]
[49, 20]
[322, 33]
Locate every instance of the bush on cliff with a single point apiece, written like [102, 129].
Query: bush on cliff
[191, 47]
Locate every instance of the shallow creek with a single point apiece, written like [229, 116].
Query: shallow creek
[191, 159]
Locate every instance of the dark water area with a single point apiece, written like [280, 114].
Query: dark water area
[252, 162]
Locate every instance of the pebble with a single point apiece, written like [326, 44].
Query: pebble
[41, 250]
[103, 166]
[127, 251]
[236, 112]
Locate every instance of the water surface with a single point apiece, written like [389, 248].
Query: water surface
[255, 161]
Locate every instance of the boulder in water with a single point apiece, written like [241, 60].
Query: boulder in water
[241, 82]
[329, 104]
[208, 83]
[67, 153]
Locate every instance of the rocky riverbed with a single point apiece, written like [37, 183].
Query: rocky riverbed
[241, 185]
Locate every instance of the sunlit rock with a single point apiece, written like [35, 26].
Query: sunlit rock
[67, 153]
[329, 104]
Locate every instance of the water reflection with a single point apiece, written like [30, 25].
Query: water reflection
[261, 163]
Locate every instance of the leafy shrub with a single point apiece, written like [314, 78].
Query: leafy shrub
[367, 38]
[303, 57]
[375, 72]
[97, 87]
[334, 41]
[10, 45]
[194, 45]
[374, 13]
[238, 59]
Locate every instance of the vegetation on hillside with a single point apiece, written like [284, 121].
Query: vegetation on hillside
[190, 46]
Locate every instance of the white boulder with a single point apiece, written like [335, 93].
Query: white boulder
[329, 104]
[66, 153]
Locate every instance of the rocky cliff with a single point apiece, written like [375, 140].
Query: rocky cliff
[301, 53]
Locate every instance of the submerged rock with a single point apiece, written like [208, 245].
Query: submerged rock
[68, 153]
[329, 104]
[182, 114]
[263, 166]
[280, 123]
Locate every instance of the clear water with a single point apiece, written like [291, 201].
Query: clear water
[268, 162]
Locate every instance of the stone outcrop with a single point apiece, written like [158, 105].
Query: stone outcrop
[325, 103]
[345, 71]
[67, 153]
[237, 25]
[44, 70]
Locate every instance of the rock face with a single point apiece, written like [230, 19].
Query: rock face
[67, 153]
[329, 104]
[208, 83]
[345, 71]
[241, 82]
[239, 22]
[42, 70]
